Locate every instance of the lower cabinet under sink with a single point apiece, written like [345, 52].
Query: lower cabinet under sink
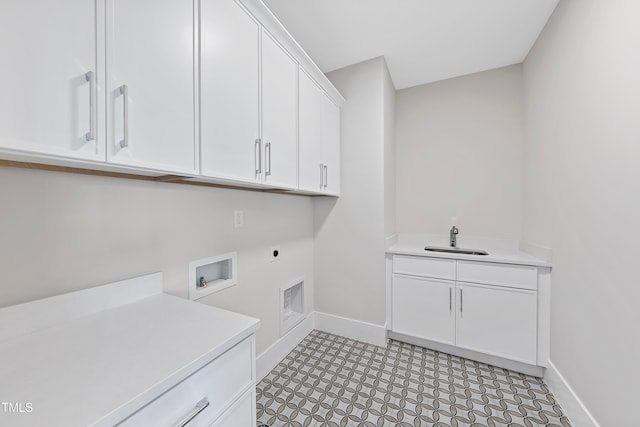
[483, 311]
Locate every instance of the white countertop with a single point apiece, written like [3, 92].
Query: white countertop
[99, 368]
[500, 250]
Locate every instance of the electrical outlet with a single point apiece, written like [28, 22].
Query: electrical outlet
[238, 219]
[275, 253]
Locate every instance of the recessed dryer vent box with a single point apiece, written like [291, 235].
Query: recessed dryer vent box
[219, 272]
[292, 308]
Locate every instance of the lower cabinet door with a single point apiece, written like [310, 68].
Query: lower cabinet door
[241, 414]
[423, 308]
[498, 321]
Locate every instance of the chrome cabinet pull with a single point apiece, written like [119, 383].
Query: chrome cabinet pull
[124, 91]
[267, 171]
[90, 76]
[258, 151]
[460, 301]
[325, 176]
[200, 406]
[450, 305]
[321, 175]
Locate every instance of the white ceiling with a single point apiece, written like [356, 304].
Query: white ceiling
[422, 40]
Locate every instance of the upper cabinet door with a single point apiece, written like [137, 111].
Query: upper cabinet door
[319, 139]
[229, 87]
[150, 84]
[311, 168]
[50, 78]
[279, 114]
[331, 146]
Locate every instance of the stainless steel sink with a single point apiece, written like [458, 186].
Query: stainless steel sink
[456, 250]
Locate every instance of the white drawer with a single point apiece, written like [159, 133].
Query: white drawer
[510, 275]
[220, 383]
[424, 266]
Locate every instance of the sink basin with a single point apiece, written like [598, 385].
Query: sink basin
[456, 250]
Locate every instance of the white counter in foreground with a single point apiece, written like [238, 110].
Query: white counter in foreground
[96, 356]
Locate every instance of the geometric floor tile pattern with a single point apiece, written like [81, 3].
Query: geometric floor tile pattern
[332, 381]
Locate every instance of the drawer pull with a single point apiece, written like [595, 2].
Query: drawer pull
[91, 78]
[325, 176]
[267, 171]
[258, 151]
[200, 406]
[124, 91]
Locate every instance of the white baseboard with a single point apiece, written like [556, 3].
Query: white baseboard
[571, 404]
[277, 351]
[350, 328]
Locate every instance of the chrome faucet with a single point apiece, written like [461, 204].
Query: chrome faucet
[453, 234]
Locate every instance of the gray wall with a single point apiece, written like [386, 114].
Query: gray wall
[459, 154]
[582, 195]
[62, 232]
[349, 231]
[389, 155]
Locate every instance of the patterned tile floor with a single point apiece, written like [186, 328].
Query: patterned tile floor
[328, 380]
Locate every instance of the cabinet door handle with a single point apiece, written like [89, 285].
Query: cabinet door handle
[91, 78]
[460, 301]
[321, 175]
[200, 406]
[124, 91]
[325, 176]
[450, 300]
[267, 146]
[258, 151]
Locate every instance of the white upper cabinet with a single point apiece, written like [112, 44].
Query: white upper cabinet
[330, 120]
[311, 171]
[50, 78]
[229, 88]
[279, 115]
[249, 94]
[319, 135]
[209, 89]
[150, 84]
